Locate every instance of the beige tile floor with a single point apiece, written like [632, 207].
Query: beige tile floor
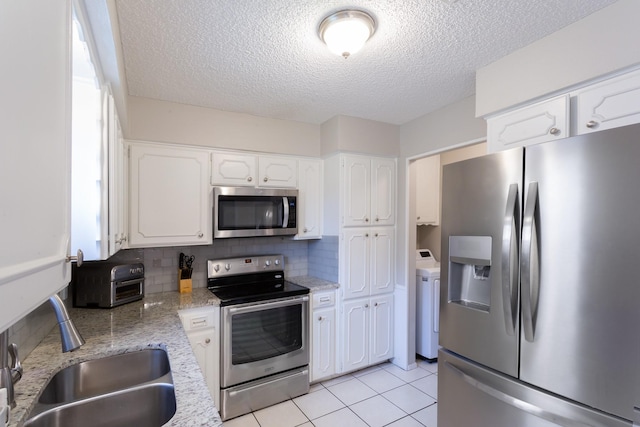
[383, 395]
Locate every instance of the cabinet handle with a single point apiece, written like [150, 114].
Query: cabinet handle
[249, 179]
[554, 131]
[366, 306]
[208, 340]
[366, 235]
[200, 235]
[265, 179]
[375, 305]
[376, 235]
[366, 220]
[592, 124]
[377, 219]
[305, 230]
[79, 258]
[320, 318]
[418, 218]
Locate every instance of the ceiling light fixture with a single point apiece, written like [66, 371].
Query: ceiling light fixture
[346, 31]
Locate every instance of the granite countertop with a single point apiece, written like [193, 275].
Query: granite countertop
[151, 322]
[313, 283]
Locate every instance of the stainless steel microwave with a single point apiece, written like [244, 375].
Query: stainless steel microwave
[251, 212]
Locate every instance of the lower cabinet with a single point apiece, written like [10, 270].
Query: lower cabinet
[367, 331]
[323, 335]
[202, 326]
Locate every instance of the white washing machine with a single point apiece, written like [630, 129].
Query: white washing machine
[428, 304]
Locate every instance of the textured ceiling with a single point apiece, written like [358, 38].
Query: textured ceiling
[264, 57]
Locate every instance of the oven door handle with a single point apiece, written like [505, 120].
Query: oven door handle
[265, 306]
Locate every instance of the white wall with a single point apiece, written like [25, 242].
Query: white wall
[451, 126]
[162, 121]
[601, 43]
[352, 134]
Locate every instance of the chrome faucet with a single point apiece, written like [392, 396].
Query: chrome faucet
[10, 373]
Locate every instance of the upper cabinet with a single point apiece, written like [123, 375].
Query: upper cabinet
[279, 172]
[611, 104]
[231, 169]
[608, 104]
[428, 190]
[170, 196]
[369, 191]
[309, 199]
[534, 124]
[35, 155]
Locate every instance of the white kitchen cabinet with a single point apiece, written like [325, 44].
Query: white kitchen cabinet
[170, 196]
[202, 326]
[235, 169]
[323, 335]
[367, 325]
[367, 261]
[545, 121]
[428, 190]
[117, 234]
[610, 104]
[34, 155]
[278, 172]
[369, 191]
[309, 199]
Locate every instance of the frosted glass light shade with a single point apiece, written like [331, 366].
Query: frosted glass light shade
[345, 32]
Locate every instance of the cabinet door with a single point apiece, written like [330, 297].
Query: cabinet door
[428, 190]
[357, 190]
[383, 190]
[323, 356]
[233, 169]
[356, 253]
[203, 344]
[355, 335]
[170, 196]
[34, 154]
[542, 122]
[611, 104]
[117, 188]
[381, 335]
[382, 241]
[280, 172]
[309, 199]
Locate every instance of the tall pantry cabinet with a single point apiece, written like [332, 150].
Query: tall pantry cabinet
[360, 208]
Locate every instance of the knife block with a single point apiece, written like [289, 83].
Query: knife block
[184, 285]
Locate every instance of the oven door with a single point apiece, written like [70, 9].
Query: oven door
[263, 338]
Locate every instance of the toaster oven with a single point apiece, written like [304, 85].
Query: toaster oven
[107, 285]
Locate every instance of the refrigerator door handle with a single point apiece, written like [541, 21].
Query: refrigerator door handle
[510, 239]
[530, 277]
[520, 404]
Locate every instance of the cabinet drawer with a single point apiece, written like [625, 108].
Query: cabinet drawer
[196, 319]
[324, 299]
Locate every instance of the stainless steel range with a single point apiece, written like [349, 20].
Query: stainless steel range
[264, 336]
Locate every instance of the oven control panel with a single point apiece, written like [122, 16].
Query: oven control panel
[244, 265]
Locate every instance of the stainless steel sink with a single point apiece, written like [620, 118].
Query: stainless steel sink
[123, 390]
[100, 376]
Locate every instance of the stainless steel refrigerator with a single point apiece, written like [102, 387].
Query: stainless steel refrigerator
[540, 285]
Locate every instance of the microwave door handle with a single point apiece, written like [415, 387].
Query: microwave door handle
[285, 219]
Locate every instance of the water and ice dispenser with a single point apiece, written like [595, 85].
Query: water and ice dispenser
[470, 271]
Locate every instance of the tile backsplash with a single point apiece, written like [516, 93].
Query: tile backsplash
[318, 258]
[161, 264]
